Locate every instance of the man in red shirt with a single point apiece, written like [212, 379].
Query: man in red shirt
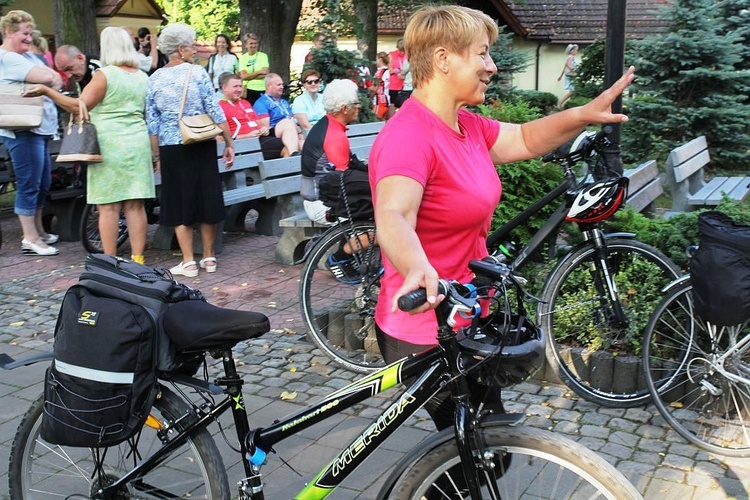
[242, 120]
[395, 83]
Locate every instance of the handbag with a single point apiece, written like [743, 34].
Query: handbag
[195, 128]
[80, 142]
[17, 112]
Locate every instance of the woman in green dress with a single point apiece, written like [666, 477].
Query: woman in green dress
[116, 97]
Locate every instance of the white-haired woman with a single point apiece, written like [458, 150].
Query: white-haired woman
[116, 97]
[568, 71]
[191, 186]
[29, 149]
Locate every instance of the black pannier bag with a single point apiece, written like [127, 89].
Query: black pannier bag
[720, 270]
[109, 347]
[347, 192]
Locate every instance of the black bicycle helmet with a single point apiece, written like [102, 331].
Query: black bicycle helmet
[597, 201]
[503, 350]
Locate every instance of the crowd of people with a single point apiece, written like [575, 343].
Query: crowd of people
[135, 105]
[135, 91]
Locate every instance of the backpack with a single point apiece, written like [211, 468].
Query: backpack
[720, 270]
[347, 192]
[109, 348]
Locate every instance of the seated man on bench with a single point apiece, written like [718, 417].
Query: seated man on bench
[326, 149]
[242, 120]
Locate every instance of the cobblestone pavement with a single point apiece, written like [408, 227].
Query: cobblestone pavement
[659, 462]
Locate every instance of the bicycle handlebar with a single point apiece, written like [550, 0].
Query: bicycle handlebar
[488, 271]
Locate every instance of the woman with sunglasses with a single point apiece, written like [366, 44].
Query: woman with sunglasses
[308, 107]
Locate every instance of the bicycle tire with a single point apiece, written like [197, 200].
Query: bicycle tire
[584, 348]
[542, 465]
[339, 316]
[685, 379]
[194, 470]
[89, 230]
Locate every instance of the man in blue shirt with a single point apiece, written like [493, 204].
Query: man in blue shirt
[280, 120]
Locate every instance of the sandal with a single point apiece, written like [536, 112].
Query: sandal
[209, 264]
[182, 269]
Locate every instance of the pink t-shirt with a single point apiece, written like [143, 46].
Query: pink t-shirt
[461, 191]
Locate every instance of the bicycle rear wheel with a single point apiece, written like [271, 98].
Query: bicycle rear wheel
[339, 314]
[703, 392]
[591, 352]
[41, 470]
[90, 238]
[530, 463]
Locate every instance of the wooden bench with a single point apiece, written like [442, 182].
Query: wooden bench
[66, 201]
[645, 186]
[685, 175]
[283, 177]
[7, 175]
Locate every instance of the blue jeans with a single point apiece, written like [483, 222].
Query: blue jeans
[33, 167]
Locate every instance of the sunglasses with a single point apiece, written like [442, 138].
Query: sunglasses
[313, 82]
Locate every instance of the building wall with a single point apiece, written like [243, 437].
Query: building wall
[133, 14]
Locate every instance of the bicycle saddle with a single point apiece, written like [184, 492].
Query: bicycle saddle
[194, 325]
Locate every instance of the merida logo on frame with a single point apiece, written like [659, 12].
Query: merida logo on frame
[364, 440]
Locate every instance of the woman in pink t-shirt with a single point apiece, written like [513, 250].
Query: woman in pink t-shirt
[432, 169]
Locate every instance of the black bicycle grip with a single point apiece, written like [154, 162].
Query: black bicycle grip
[417, 297]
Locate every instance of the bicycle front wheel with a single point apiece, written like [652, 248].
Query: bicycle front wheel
[41, 470]
[529, 463]
[89, 231]
[339, 309]
[592, 352]
[699, 375]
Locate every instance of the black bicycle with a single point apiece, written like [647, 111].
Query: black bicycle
[595, 301]
[483, 456]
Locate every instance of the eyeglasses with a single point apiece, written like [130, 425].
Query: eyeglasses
[313, 82]
[355, 105]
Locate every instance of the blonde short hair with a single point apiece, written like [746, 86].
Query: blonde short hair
[12, 21]
[117, 48]
[450, 26]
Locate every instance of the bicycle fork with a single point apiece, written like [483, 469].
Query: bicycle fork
[604, 280]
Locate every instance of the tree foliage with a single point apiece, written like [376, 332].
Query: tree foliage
[689, 84]
[208, 19]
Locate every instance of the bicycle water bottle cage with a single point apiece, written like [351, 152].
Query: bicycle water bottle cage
[597, 201]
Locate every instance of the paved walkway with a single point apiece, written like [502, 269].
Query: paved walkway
[660, 463]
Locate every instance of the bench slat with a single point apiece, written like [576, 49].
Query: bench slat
[364, 129]
[248, 144]
[641, 175]
[242, 194]
[270, 169]
[711, 193]
[646, 195]
[687, 168]
[681, 154]
[284, 185]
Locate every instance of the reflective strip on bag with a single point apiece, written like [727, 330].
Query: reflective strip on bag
[96, 375]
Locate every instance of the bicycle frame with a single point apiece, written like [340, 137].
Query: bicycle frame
[431, 369]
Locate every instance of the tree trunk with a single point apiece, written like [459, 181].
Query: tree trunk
[367, 12]
[275, 22]
[75, 24]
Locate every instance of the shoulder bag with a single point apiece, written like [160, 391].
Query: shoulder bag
[195, 128]
[80, 142]
[17, 112]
